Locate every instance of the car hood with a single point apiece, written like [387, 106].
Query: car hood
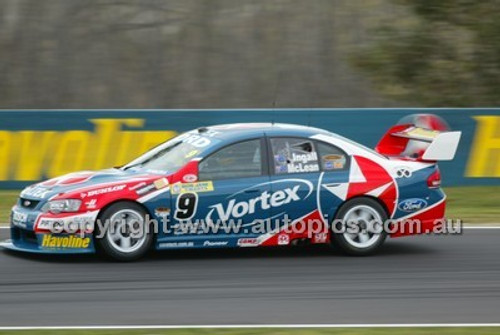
[84, 180]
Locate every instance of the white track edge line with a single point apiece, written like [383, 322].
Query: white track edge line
[481, 227]
[145, 327]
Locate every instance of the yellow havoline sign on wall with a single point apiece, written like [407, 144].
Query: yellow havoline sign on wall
[484, 159]
[36, 145]
[32, 155]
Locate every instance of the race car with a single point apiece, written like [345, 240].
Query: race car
[244, 185]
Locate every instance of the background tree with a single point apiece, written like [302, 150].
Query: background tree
[437, 53]
[183, 53]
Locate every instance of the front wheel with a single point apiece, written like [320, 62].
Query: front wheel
[358, 227]
[122, 233]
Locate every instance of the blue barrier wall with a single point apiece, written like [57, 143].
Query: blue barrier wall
[35, 145]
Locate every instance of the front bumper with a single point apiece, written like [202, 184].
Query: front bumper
[25, 237]
[26, 240]
[10, 245]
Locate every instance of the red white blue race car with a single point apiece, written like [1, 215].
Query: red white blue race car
[244, 185]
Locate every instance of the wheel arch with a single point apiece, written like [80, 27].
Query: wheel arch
[114, 202]
[363, 196]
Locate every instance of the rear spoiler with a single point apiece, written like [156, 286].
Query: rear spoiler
[410, 141]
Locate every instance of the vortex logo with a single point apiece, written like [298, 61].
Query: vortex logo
[266, 200]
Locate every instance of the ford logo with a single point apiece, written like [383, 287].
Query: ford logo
[412, 205]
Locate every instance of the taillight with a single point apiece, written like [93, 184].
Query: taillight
[434, 180]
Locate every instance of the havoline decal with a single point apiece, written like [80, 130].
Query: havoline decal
[237, 209]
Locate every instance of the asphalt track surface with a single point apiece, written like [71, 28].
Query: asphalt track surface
[424, 279]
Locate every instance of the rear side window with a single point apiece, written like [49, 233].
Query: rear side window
[332, 158]
[240, 160]
[294, 155]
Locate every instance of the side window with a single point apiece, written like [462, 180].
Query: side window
[239, 160]
[332, 158]
[294, 155]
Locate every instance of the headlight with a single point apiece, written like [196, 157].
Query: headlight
[59, 206]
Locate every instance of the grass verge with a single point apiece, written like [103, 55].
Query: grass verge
[475, 204]
[7, 200]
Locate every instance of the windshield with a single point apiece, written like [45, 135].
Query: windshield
[173, 154]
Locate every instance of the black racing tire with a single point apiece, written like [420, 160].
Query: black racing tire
[113, 243]
[352, 244]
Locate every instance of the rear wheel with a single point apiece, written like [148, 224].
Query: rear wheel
[358, 227]
[126, 236]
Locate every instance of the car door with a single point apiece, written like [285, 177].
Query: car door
[295, 171]
[334, 179]
[306, 171]
[236, 181]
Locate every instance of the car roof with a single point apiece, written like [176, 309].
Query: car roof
[240, 131]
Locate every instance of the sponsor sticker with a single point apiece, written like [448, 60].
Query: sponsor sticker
[161, 183]
[136, 186]
[333, 162]
[104, 190]
[19, 218]
[281, 169]
[280, 158]
[49, 224]
[190, 178]
[420, 133]
[204, 186]
[92, 204]
[145, 189]
[62, 242]
[176, 245]
[71, 224]
[320, 237]
[215, 243]
[162, 212]
[403, 172]
[248, 242]
[283, 239]
[191, 153]
[338, 165]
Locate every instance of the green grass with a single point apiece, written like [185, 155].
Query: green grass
[275, 331]
[471, 204]
[474, 204]
[7, 200]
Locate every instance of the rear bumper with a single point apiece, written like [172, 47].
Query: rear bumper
[424, 222]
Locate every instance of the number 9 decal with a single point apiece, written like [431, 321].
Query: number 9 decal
[186, 206]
